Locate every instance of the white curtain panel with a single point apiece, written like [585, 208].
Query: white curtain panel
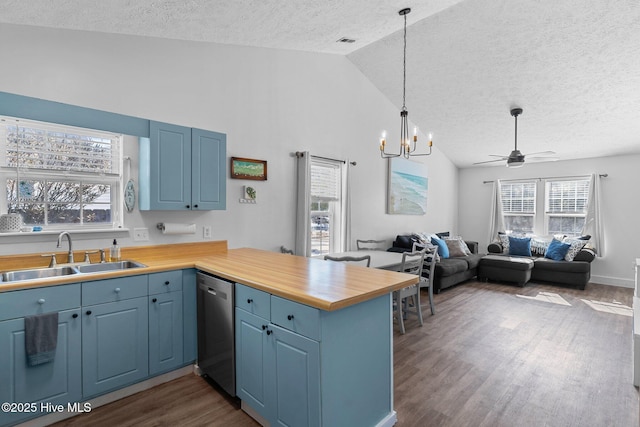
[593, 223]
[303, 205]
[496, 220]
[346, 214]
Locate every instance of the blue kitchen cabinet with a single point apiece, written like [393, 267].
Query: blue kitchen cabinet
[165, 321]
[182, 169]
[190, 326]
[253, 384]
[298, 365]
[56, 382]
[278, 370]
[115, 339]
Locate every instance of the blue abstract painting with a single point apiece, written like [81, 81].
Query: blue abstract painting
[407, 186]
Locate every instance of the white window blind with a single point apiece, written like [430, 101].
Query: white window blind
[59, 176]
[37, 146]
[567, 196]
[518, 197]
[325, 181]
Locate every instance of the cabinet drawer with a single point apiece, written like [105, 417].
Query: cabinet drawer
[296, 317]
[29, 302]
[167, 281]
[254, 301]
[111, 290]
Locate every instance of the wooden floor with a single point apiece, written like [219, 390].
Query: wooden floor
[493, 355]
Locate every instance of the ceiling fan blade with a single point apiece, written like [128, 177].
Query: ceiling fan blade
[541, 152]
[543, 159]
[491, 161]
[498, 155]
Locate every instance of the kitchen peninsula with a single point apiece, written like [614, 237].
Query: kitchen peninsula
[320, 332]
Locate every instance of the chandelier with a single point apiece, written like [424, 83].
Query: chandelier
[407, 147]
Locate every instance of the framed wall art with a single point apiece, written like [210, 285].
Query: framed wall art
[407, 187]
[242, 168]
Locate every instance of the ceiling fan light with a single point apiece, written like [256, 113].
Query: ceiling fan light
[515, 164]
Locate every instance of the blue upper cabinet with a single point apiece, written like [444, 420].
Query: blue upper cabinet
[208, 170]
[182, 169]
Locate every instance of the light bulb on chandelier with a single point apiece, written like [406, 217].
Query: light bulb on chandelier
[407, 149]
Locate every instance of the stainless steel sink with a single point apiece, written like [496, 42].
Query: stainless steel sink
[43, 273]
[108, 266]
[38, 273]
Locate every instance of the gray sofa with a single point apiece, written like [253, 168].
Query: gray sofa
[448, 271]
[573, 273]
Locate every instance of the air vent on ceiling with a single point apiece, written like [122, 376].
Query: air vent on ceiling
[345, 40]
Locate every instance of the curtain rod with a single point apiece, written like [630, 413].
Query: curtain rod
[301, 154]
[602, 175]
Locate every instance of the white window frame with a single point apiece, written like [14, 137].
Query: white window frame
[331, 191]
[577, 197]
[74, 172]
[507, 209]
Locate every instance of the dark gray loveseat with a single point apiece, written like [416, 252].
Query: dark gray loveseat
[573, 273]
[448, 271]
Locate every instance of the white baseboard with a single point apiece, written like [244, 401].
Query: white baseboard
[389, 421]
[111, 397]
[612, 281]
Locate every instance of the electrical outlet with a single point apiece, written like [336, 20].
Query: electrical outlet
[206, 232]
[140, 234]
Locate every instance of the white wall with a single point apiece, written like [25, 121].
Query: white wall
[269, 102]
[620, 207]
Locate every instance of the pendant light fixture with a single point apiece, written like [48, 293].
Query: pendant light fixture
[407, 147]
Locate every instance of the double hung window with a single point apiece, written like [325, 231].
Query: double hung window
[326, 206]
[519, 205]
[566, 206]
[60, 176]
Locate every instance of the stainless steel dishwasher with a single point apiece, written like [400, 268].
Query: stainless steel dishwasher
[216, 331]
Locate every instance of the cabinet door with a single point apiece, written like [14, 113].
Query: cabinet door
[115, 345]
[56, 382]
[254, 380]
[165, 332]
[169, 169]
[209, 173]
[297, 378]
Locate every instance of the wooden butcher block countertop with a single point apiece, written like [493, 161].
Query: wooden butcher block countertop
[318, 283]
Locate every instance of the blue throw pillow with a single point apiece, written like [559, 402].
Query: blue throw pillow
[557, 250]
[520, 246]
[443, 250]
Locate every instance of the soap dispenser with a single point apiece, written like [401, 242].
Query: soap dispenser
[114, 253]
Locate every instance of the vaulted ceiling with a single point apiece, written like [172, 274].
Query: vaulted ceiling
[572, 65]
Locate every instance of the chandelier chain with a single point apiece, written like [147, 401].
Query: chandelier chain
[404, 67]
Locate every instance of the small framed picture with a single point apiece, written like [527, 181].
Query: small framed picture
[248, 169]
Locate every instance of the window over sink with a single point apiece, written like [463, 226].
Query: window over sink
[61, 177]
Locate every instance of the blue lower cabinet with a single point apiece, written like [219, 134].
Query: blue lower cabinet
[254, 378]
[53, 383]
[307, 367]
[165, 332]
[277, 371]
[115, 345]
[296, 378]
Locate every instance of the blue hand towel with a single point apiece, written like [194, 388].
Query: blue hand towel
[41, 338]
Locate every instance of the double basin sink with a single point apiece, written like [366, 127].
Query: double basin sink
[42, 273]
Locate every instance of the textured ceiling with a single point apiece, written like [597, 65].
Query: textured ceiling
[572, 65]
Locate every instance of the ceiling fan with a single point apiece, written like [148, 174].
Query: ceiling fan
[516, 158]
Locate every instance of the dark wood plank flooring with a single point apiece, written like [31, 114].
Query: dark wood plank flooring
[493, 355]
